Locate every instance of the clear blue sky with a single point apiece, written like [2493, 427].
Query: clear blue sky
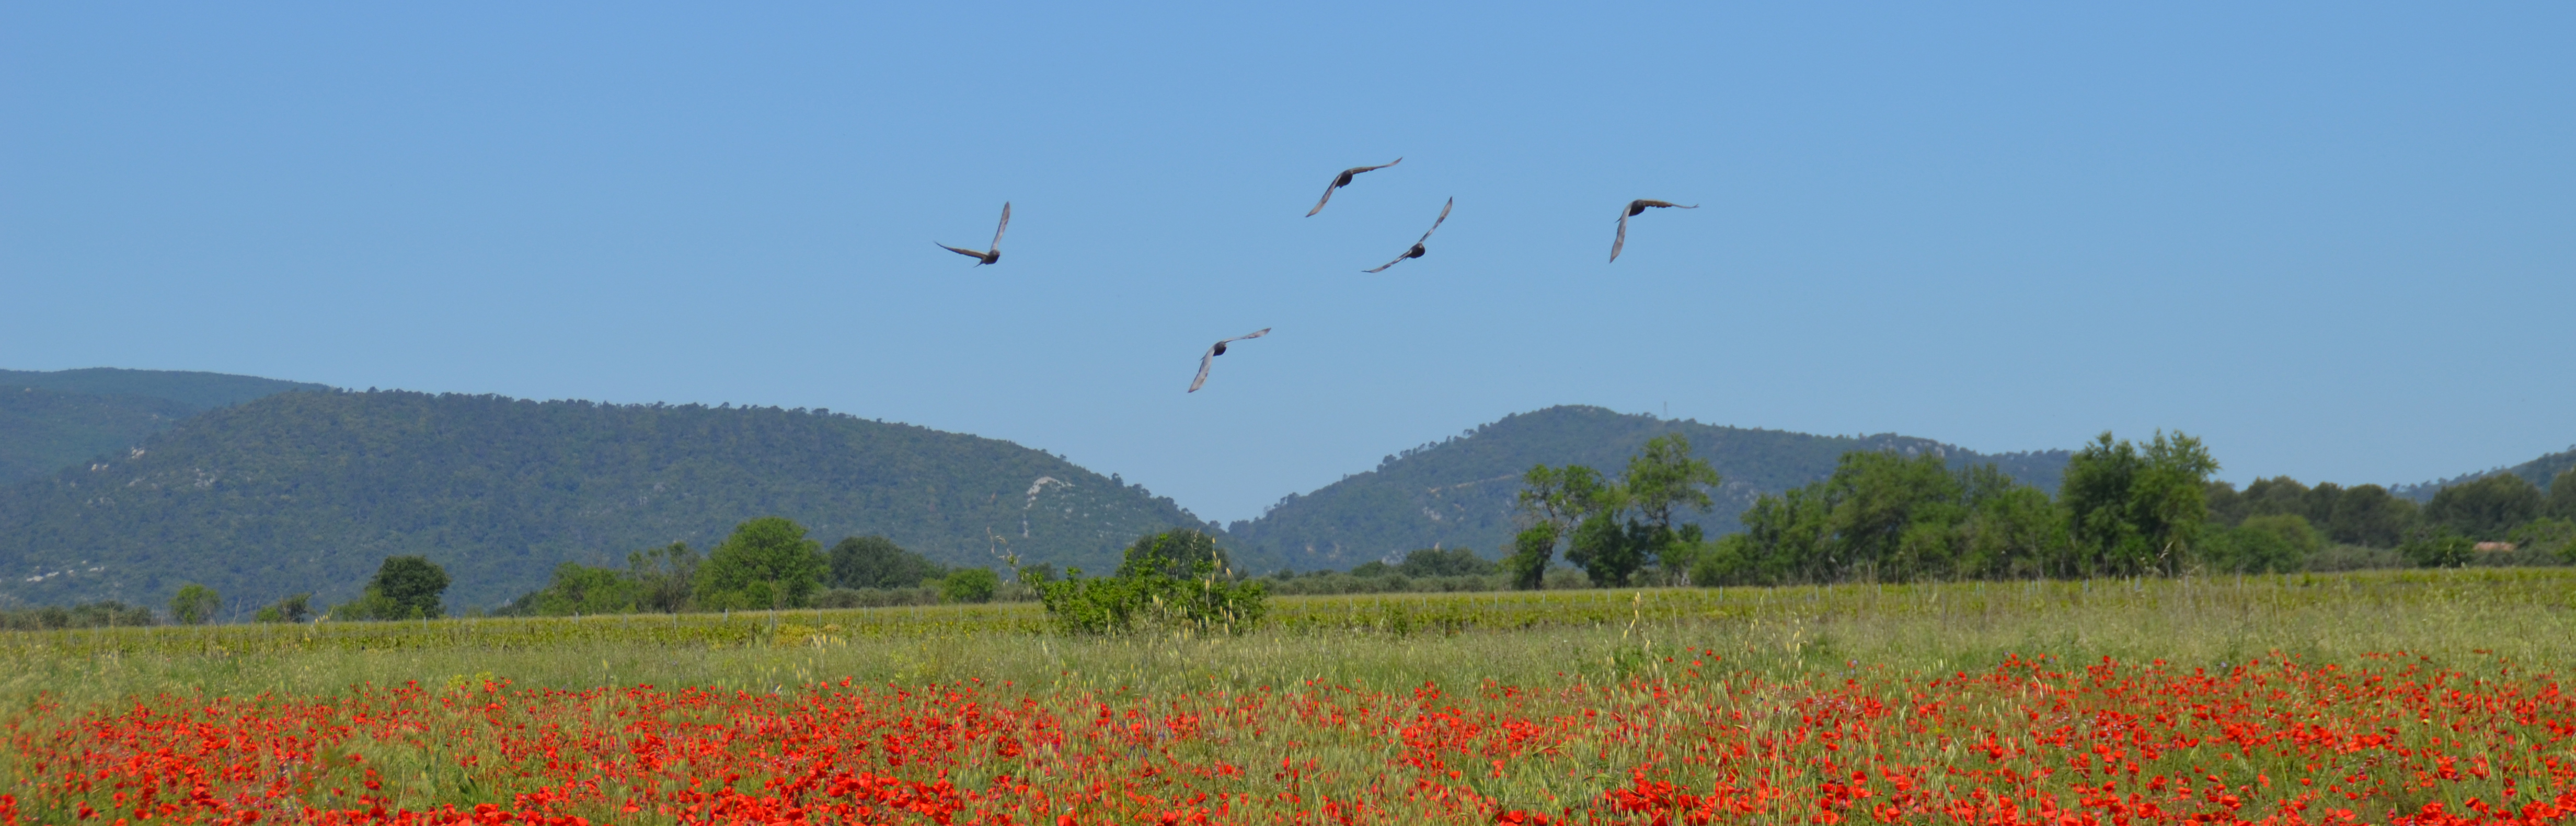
[2336, 240]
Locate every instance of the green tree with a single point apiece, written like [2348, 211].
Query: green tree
[195, 605]
[2136, 510]
[580, 589]
[2369, 515]
[2562, 494]
[1436, 562]
[1533, 549]
[2547, 535]
[2485, 509]
[1663, 481]
[766, 563]
[294, 608]
[2438, 547]
[666, 578]
[2013, 534]
[1552, 501]
[876, 562]
[2271, 543]
[404, 587]
[1147, 592]
[970, 585]
[1174, 553]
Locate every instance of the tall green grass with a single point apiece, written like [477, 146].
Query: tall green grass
[1526, 638]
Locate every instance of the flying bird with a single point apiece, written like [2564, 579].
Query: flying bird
[1633, 208]
[983, 257]
[1219, 350]
[1343, 180]
[1417, 250]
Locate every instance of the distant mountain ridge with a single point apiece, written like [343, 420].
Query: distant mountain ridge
[50, 420]
[1460, 492]
[310, 491]
[2538, 471]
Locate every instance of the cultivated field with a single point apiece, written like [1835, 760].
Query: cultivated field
[2378, 697]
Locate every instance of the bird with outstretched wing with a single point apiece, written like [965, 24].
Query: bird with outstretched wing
[1418, 250]
[1343, 180]
[983, 257]
[1218, 349]
[1633, 208]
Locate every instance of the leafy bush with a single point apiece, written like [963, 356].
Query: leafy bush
[1431, 562]
[108, 613]
[2553, 537]
[405, 587]
[2438, 547]
[2275, 543]
[876, 562]
[1148, 594]
[970, 585]
[578, 589]
[766, 563]
[195, 605]
[297, 608]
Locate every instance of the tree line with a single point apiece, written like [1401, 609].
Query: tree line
[2124, 509]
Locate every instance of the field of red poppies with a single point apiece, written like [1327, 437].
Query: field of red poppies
[2389, 738]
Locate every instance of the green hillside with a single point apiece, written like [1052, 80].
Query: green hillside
[1459, 492]
[2538, 471]
[53, 420]
[310, 491]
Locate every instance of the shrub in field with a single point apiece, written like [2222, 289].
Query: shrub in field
[666, 578]
[405, 587]
[766, 563]
[970, 585]
[2487, 508]
[2552, 537]
[1892, 519]
[578, 589]
[876, 562]
[295, 608]
[108, 613]
[1173, 579]
[195, 605]
[2277, 543]
[2438, 547]
[1429, 562]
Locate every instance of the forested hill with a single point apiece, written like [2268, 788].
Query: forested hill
[1459, 492]
[53, 420]
[310, 491]
[2538, 471]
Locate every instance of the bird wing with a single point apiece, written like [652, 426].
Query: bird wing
[1435, 225]
[1398, 260]
[1205, 361]
[1654, 203]
[978, 254]
[1328, 195]
[1621, 239]
[1255, 334]
[1359, 169]
[1006, 224]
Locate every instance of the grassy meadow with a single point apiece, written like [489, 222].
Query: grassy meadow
[1736, 700]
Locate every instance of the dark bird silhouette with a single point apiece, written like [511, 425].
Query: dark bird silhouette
[983, 257]
[1417, 250]
[1343, 180]
[1219, 350]
[1633, 208]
